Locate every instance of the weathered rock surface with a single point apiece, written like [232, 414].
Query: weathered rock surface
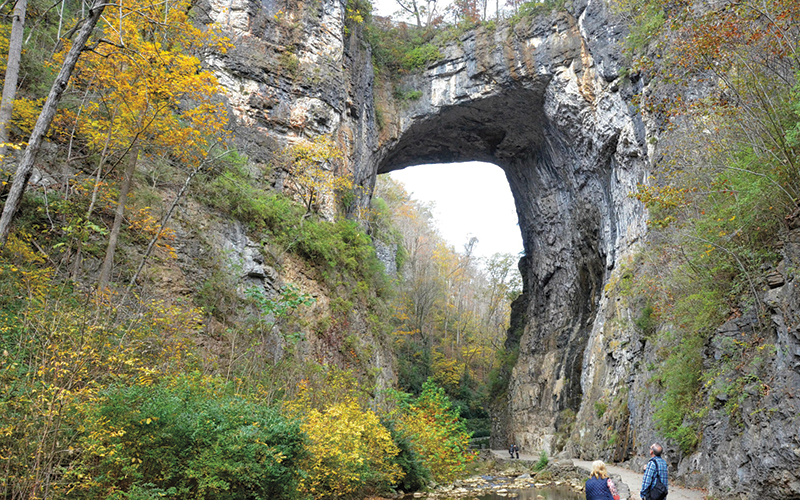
[542, 100]
[531, 100]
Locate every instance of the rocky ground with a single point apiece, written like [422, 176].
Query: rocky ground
[503, 476]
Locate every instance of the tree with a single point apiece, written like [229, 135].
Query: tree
[437, 433]
[12, 71]
[419, 10]
[142, 76]
[504, 284]
[317, 173]
[466, 10]
[452, 311]
[25, 168]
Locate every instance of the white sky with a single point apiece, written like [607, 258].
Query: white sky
[470, 199]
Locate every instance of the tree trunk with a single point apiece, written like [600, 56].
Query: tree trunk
[119, 215]
[12, 71]
[25, 168]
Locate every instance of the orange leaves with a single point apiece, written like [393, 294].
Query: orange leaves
[145, 224]
[437, 434]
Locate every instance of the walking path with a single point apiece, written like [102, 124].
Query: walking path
[632, 479]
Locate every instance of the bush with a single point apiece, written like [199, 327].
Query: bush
[189, 437]
[419, 57]
[438, 434]
[542, 462]
[60, 350]
[234, 193]
[351, 454]
[398, 48]
[343, 249]
[416, 476]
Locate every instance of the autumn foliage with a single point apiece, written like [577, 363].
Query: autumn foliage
[152, 393]
[723, 84]
[437, 433]
[59, 353]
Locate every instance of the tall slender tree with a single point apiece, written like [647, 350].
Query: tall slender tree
[143, 79]
[12, 71]
[25, 168]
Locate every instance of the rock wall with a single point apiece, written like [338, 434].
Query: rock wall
[292, 73]
[543, 100]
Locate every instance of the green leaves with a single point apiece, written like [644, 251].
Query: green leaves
[193, 438]
[437, 433]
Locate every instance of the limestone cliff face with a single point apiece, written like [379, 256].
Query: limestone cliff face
[543, 100]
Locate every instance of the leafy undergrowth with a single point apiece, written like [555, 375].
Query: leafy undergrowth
[100, 398]
[726, 179]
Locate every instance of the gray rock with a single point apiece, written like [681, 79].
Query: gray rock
[542, 100]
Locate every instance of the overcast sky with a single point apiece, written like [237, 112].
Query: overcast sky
[471, 199]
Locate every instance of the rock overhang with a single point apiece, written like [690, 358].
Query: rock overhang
[494, 129]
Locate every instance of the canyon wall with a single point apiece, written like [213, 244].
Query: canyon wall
[544, 100]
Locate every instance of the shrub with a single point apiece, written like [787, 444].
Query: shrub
[59, 352]
[420, 57]
[351, 454]
[416, 476]
[438, 434]
[409, 95]
[188, 437]
[542, 462]
[600, 408]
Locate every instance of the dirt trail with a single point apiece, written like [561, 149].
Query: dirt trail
[632, 479]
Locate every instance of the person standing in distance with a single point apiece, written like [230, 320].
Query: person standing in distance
[655, 472]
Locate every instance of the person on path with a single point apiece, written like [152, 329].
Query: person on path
[516, 451]
[511, 450]
[599, 486]
[655, 470]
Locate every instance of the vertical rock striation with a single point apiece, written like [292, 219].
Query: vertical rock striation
[533, 100]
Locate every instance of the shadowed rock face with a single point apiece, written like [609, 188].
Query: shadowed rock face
[540, 99]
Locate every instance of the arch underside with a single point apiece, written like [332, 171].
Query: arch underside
[495, 129]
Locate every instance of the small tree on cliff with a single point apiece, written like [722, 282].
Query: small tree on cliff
[317, 172]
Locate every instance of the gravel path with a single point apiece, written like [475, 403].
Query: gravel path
[632, 479]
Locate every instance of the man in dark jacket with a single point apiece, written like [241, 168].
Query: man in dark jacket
[656, 469]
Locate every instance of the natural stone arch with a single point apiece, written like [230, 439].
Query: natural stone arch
[540, 98]
[532, 101]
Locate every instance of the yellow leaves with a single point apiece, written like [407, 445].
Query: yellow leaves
[144, 81]
[317, 169]
[64, 354]
[447, 370]
[347, 445]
